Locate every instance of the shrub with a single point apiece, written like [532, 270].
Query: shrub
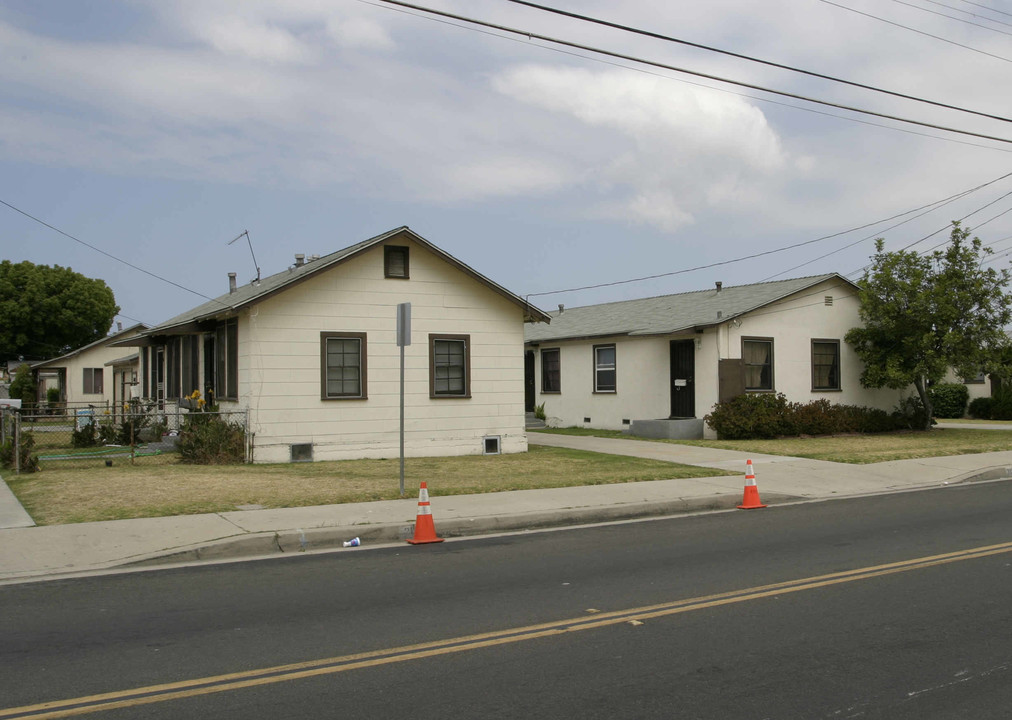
[1001, 404]
[107, 434]
[980, 408]
[207, 439]
[764, 416]
[84, 436]
[53, 395]
[910, 413]
[752, 415]
[539, 411]
[29, 462]
[23, 385]
[949, 399]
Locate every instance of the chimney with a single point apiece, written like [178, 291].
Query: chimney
[231, 283]
[300, 259]
[562, 308]
[719, 285]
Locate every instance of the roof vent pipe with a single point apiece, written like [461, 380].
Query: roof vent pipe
[719, 285]
[300, 259]
[119, 326]
[231, 283]
[562, 308]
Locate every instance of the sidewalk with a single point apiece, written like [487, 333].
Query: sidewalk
[51, 551]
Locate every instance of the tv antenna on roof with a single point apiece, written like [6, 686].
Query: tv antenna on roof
[246, 233]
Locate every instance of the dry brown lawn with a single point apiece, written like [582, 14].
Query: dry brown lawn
[75, 491]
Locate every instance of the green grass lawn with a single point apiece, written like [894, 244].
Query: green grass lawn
[860, 449]
[72, 491]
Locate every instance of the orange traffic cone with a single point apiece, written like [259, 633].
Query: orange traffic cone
[751, 499]
[425, 529]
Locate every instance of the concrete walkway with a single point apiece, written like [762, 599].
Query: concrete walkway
[59, 550]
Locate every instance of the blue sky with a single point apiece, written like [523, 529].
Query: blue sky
[159, 131]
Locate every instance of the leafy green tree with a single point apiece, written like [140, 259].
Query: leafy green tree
[925, 314]
[23, 385]
[47, 311]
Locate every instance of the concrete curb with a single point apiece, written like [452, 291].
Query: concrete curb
[287, 542]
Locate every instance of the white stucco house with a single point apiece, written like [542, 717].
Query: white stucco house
[656, 366]
[311, 353]
[99, 374]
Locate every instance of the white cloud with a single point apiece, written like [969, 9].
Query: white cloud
[674, 146]
[359, 32]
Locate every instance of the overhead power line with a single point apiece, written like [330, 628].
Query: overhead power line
[967, 12]
[989, 9]
[933, 205]
[919, 32]
[950, 17]
[653, 63]
[108, 255]
[770, 63]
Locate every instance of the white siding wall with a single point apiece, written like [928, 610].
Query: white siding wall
[643, 364]
[95, 357]
[279, 363]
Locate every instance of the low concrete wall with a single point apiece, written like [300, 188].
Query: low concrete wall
[687, 429]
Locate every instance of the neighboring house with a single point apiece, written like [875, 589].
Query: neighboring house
[311, 353]
[95, 374]
[656, 366]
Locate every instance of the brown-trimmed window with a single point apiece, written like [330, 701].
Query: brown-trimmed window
[551, 379]
[825, 364]
[450, 366]
[604, 368]
[93, 381]
[395, 261]
[343, 366]
[757, 355]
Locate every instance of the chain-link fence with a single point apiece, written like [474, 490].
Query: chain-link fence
[88, 434]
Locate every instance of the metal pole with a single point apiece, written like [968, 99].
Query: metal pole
[17, 444]
[402, 420]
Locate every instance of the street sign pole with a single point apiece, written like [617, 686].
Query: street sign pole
[403, 338]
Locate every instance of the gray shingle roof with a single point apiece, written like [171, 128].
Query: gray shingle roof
[668, 314]
[227, 304]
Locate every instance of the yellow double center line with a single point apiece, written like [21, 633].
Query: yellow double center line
[344, 663]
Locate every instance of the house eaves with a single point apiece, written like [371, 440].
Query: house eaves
[109, 340]
[229, 304]
[671, 314]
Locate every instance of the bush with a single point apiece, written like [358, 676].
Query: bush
[765, 416]
[107, 434]
[84, 436]
[206, 439]
[949, 399]
[23, 385]
[29, 462]
[53, 395]
[980, 408]
[1001, 404]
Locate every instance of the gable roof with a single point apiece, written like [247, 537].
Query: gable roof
[113, 339]
[669, 314]
[227, 304]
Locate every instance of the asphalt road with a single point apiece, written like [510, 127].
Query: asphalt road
[885, 607]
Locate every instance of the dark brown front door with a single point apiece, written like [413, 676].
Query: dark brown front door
[683, 370]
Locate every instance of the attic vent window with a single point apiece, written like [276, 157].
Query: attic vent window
[829, 300]
[395, 261]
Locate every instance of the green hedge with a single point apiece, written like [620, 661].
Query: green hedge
[949, 399]
[770, 415]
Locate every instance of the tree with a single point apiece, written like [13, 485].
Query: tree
[48, 311]
[23, 385]
[925, 314]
